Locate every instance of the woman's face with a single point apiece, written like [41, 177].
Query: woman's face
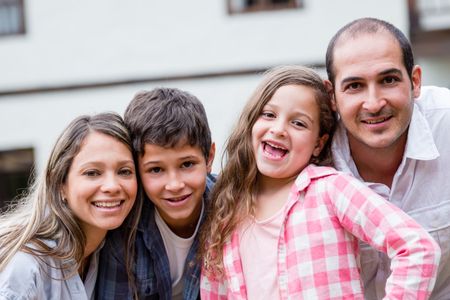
[101, 185]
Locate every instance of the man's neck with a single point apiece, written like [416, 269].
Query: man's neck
[378, 164]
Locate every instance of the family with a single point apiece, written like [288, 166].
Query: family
[329, 189]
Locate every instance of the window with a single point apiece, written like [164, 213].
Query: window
[12, 17]
[243, 6]
[15, 171]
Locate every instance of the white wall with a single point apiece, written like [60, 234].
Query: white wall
[76, 41]
[37, 122]
[84, 41]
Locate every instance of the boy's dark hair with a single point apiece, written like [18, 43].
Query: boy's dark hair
[167, 117]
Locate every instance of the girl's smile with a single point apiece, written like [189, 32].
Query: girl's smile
[286, 134]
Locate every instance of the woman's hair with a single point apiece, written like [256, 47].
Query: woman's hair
[42, 214]
[232, 198]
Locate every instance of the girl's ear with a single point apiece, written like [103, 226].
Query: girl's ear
[320, 143]
[329, 88]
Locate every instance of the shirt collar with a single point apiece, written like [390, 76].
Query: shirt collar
[420, 144]
[310, 173]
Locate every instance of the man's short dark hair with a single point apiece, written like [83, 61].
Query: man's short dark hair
[369, 25]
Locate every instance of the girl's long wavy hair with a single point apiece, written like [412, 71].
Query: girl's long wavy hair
[232, 198]
[42, 214]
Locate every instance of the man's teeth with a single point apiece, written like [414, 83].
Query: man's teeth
[375, 121]
[107, 204]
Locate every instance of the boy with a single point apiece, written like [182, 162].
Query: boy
[172, 141]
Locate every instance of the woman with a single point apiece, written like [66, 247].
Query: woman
[49, 242]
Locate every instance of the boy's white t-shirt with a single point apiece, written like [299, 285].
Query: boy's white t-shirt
[177, 249]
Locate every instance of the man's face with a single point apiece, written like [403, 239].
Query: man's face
[373, 93]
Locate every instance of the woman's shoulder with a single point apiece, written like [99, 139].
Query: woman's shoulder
[20, 277]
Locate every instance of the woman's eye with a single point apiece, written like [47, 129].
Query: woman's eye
[126, 172]
[91, 173]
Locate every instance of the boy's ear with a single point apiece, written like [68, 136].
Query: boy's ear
[329, 88]
[212, 152]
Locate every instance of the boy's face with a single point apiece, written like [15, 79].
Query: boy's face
[174, 179]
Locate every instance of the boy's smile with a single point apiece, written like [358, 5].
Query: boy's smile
[174, 179]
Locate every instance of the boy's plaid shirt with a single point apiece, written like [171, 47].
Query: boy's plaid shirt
[327, 212]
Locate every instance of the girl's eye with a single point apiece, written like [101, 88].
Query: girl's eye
[91, 173]
[268, 114]
[126, 172]
[299, 123]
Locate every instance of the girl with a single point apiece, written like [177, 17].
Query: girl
[289, 228]
[50, 241]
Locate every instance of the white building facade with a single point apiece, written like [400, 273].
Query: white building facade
[83, 57]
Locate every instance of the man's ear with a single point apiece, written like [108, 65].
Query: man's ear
[416, 78]
[212, 153]
[329, 88]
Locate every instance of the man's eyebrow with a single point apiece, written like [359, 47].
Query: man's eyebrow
[382, 73]
[391, 71]
[350, 79]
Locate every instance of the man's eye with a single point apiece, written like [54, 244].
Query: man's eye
[390, 80]
[354, 86]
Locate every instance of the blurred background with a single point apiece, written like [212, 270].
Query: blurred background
[63, 58]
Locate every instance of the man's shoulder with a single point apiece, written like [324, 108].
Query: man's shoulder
[433, 97]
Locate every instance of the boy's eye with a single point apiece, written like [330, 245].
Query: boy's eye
[91, 173]
[187, 164]
[154, 170]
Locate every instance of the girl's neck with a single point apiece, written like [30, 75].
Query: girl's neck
[271, 196]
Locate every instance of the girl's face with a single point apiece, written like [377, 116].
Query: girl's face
[101, 184]
[286, 134]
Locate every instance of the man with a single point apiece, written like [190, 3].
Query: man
[393, 135]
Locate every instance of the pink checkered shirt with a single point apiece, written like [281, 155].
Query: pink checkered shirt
[326, 213]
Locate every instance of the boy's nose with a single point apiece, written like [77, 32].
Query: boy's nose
[175, 183]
